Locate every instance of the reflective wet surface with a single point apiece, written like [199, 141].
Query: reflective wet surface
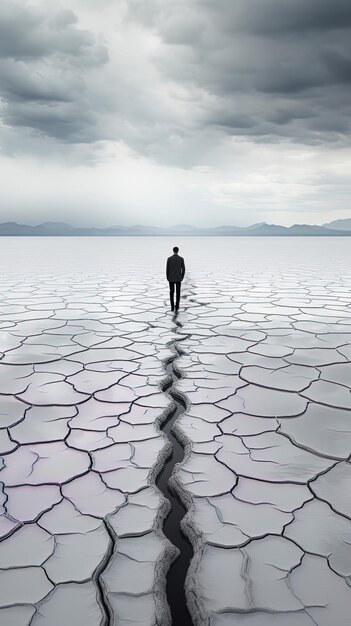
[265, 380]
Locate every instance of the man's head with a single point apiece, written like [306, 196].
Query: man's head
[175, 250]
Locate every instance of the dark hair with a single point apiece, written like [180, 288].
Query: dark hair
[175, 249]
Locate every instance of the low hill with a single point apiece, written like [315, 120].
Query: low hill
[339, 224]
[262, 229]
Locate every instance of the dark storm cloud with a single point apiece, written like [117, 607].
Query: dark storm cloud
[58, 121]
[279, 69]
[268, 70]
[45, 61]
[21, 83]
[282, 16]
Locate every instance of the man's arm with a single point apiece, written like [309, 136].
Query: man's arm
[167, 268]
[183, 268]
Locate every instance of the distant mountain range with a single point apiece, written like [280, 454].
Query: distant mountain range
[336, 228]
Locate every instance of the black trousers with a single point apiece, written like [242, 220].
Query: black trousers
[171, 294]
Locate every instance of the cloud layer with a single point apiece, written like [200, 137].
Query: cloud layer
[202, 88]
[273, 70]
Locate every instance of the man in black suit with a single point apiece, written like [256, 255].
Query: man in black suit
[175, 270]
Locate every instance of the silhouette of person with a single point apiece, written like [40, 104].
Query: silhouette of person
[175, 271]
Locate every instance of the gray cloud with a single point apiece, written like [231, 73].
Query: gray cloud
[261, 18]
[46, 62]
[158, 111]
[29, 33]
[275, 69]
[283, 16]
[272, 71]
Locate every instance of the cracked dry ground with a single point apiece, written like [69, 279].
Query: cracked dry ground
[266, 365]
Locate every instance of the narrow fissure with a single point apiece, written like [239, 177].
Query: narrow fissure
[107, 616]
[175, 588]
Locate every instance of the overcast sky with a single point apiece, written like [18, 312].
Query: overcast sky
[175, 111]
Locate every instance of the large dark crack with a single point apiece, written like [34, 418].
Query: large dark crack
[175, 588]
[107, 613]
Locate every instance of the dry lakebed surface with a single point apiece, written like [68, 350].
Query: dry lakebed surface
[189, 469]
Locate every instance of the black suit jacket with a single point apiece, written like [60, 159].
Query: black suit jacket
[175, 268]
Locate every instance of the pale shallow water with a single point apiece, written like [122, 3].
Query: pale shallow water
[265, 335]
